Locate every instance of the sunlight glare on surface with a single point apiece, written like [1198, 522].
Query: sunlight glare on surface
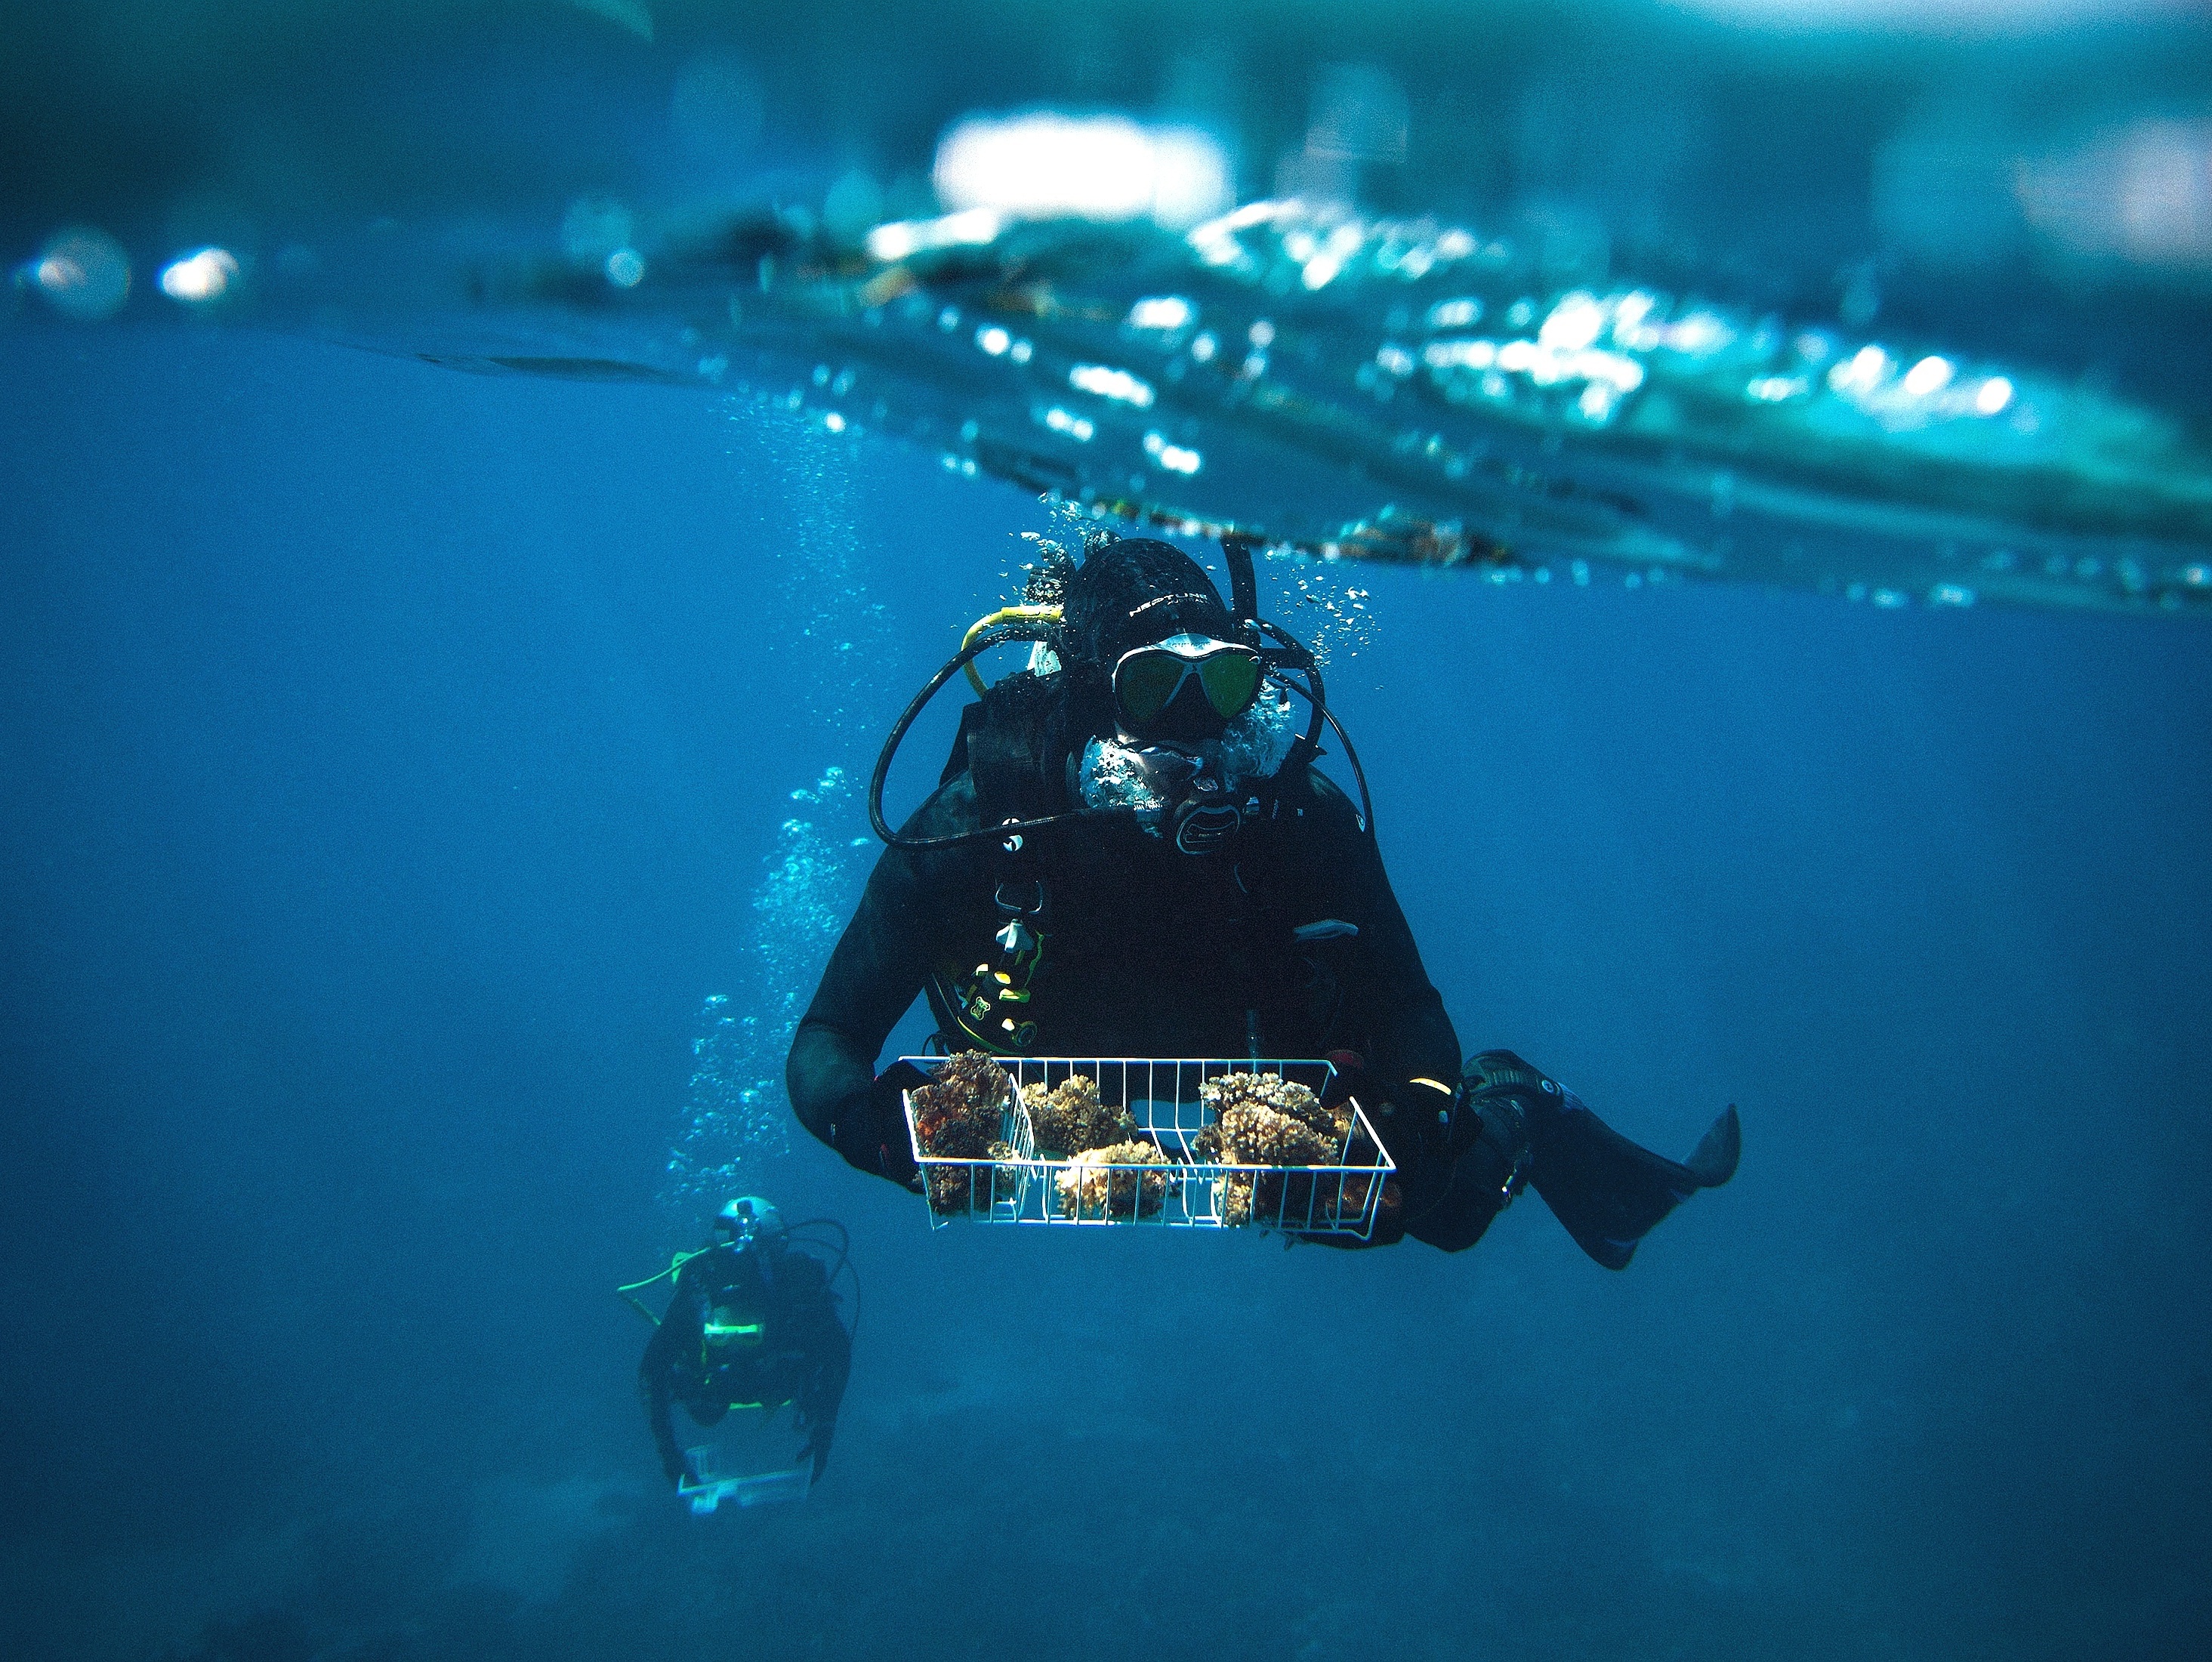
[200, 278]
[1044, 165]
[83, 274]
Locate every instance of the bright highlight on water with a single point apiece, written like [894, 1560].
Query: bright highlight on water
[1071, 298]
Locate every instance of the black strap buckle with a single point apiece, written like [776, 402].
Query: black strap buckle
[1014, 909]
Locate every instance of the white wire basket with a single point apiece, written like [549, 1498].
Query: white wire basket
[1186, 1189]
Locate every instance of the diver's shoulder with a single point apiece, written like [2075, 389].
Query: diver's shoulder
[1316, 797]
[803, 1270]
[951, 810]
[952, 807]
[701, 1270]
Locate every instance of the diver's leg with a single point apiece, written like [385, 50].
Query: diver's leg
[1608, 1191]
[1489, 1171]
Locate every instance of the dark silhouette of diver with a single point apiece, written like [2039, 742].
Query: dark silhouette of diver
[752, 1324]
[1129, 853]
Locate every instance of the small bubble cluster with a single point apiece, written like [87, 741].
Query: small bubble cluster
[1328, 612]
[736, 1117]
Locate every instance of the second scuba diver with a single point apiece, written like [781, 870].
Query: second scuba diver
[752, 1324]
[1130, 853]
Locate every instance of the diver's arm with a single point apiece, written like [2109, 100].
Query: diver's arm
[829, 1363]
[656, 1382]
[880, 964]
[1409, 1035]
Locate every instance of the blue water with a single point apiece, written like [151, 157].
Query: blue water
[395, 763]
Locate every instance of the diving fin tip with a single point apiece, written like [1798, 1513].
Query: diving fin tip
[1713, 1161]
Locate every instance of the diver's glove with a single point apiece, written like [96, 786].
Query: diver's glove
[679, 1472]
[1417, 1119]
[873, 1136]
[1421, 1126]
[818, 1447]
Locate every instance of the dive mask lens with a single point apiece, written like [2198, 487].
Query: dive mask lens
[1231, 680]
[1148, 680]
[1144, 683]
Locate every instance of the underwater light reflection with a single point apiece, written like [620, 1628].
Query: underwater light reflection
[1925, 16]
[1044, 165]
[902, 237]
[2143, 193]
[84, 273]
[199, 278]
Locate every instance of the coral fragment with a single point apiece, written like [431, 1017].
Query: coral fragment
[1071, 1118]
[1097, 1184]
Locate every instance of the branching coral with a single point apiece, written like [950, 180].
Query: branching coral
[1264, 1120]
[1256, 1136]
[1286, 1097]
[1090, 1188]
[1070, 1119]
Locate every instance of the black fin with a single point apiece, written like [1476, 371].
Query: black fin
[1713, 1161]
[1610, 1192]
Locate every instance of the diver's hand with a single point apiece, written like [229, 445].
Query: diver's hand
[818, 1448]
[1417, 1119]
[872, 1137]
[1388, 1230]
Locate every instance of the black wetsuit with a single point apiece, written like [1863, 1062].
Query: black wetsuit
[1088, 936]
[1288, 941]
[784, 1344]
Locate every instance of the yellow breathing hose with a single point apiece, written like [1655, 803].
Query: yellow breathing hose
[1003, 615]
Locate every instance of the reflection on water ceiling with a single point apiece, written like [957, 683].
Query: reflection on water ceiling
[1335, 339]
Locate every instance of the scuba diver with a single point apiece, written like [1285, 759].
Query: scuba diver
[1130, 853]
[752, 1324]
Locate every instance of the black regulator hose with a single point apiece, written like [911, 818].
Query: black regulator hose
[1236, 548]
[999, 834]
[1366, 803]
[1244, 581]
[1300, 658]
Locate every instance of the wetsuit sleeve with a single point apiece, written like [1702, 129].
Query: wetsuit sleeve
[1402, 1014]
[829, 1363]
[665, 1355]
[880, 964]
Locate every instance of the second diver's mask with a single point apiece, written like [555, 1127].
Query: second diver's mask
[749, 1221]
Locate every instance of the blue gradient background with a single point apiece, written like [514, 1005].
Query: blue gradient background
[389, 760]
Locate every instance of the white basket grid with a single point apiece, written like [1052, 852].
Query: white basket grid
[1190, 1191]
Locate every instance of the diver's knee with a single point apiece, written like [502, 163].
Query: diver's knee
[1497, 1073]
[1489, 1172]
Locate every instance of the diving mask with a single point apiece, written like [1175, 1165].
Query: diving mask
[1149, 681]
